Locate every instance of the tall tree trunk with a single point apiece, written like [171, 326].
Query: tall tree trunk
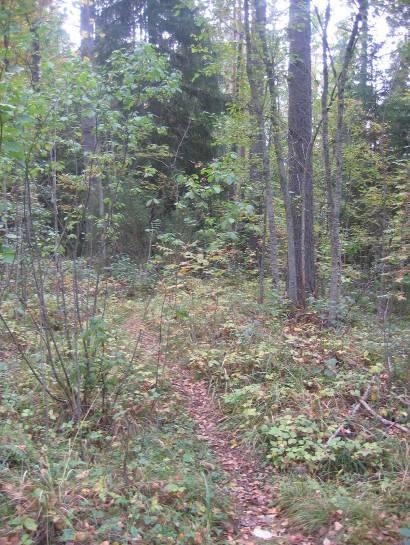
[260, 164]
[260, 15]
[299, 145]
[35, 55]
[6, 39]
[95, 204]
[336, 267]
[238, 41]
[364, 56]
[325, 114]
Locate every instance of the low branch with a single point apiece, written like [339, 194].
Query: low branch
[25, 358]
[404, 400]
[352, 412]
[383, 420]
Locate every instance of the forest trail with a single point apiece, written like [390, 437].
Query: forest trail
[255, 521]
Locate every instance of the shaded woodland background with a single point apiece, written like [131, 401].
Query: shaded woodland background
[229, 178]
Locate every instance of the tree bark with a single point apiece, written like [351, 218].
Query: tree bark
[6, 41]
[299, 146]
[35, 55]
[325, 114]
[364, 57]
[95, 201]
[260, 14]
[336, 266]
[260, 164]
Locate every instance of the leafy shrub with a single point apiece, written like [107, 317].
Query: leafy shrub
[294, 440]
[299, 440]
[352, 455]
[136, 277]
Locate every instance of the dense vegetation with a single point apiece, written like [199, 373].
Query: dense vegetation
[204, 193]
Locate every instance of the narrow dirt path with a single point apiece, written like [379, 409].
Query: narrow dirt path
[255, 521]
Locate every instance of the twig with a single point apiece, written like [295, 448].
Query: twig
[174, 162]
[25, 358]
[404, 400]
[353, 411]
[381, 419]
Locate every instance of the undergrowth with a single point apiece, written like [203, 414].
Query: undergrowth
[130, 470]
[286, 382]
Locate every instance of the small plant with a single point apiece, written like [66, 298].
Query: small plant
[134, 276]
[352, 456]
[294, 440]
[123, 268]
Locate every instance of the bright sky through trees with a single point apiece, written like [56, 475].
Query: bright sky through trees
[379, 25]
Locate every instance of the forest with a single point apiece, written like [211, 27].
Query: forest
[204, 272]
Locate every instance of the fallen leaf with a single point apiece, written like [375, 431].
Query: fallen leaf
[262, 534]
[295, 539]
[82, 475]
[81, 536]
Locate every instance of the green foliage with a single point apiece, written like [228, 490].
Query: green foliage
[294, 441]
[285, 384]
[313, 506]
[134, 276]
[131, 472]
[148, 501]
[93, 445]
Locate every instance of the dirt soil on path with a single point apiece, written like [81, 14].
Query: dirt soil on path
[255, 520]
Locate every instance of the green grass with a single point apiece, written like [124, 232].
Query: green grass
[264, 365]
[138, 472]
[356, 511]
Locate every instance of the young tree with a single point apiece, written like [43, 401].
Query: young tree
[336, 189]
[95, 204]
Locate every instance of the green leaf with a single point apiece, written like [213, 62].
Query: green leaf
[6, 254]
[29, 524]
[172, 488]
[331, 362]
[13, 149]
[67, 535]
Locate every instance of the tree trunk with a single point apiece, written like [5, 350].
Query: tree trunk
[364, 57]
[260, 14]
[260, 164]
[95, 201]
[35, 55]
[6, 40]
[336, 270]
[325, 115]
[299, 146]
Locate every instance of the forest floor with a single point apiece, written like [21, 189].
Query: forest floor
[216, 426]
[267, 388]
[255, 520]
